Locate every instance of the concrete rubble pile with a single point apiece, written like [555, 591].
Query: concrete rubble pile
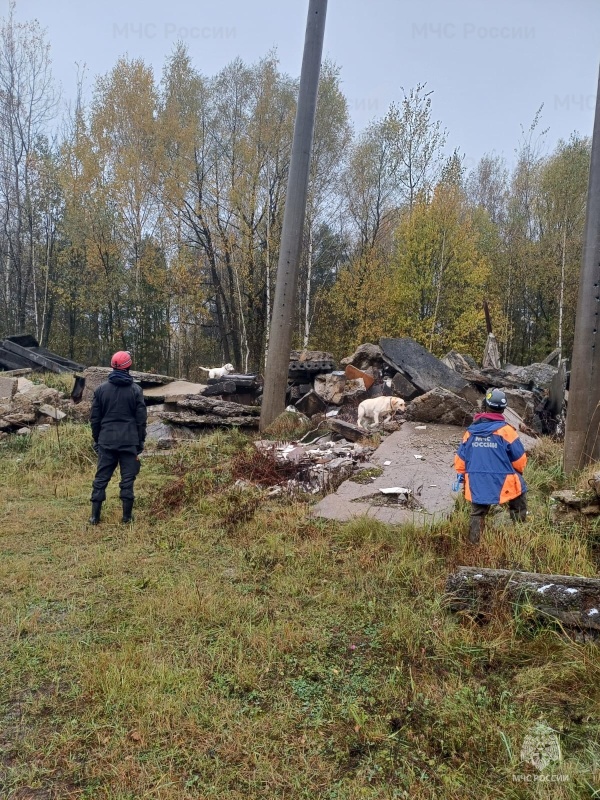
[436, 391]
[321, 465]
[443, 391]
[25, 406]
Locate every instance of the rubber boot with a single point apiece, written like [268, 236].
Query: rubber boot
[520, 515]
[127, 511]
[475, 529]
[96, 509]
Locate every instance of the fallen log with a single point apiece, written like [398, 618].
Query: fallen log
[573, 601]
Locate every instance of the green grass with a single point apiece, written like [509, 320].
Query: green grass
[228, 645]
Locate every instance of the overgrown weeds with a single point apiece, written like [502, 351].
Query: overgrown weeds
[229, 645]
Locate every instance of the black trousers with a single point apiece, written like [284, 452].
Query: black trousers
[517, 507]
[108, 460]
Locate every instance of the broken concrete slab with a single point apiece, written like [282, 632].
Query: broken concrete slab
[222, 408]
[528, 441]
[346, 429]
[366, 356]
[442, 406]
[21, 411]
[521, 401]
[557, 389]
[404, 388]
[330, 387]
[310, 362]
[428, 477]
[52, 412]
[423, 369]
[16, 373]
[223, 387]
[311, 404]
[24, 385]
[8, 388]
[166, 436]
[577, 500]
[354, 388]
[207, 420]
[171, 392]
[459, 362]
[94, 376]
[38, 394]
[553, 358]
[536, 374]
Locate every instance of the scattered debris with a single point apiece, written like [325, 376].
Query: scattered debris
[316, 467]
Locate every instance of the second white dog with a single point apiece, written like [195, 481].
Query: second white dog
[218, 372]
[377, 407]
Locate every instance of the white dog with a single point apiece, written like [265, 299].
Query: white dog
[379, 406]
[218, 372]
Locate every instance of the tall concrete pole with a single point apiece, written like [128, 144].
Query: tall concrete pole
[582, 435]
[284, 302]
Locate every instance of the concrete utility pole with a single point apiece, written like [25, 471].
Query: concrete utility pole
[582, 435]
[280, 341]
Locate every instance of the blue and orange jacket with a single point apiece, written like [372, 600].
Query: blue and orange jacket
[492, 458]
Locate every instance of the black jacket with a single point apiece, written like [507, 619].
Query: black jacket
[119, 413]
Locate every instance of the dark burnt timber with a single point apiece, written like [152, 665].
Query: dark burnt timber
[572, 601]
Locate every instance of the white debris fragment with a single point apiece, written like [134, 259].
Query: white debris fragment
[542, 589]
[420, 427]
[386, 463]
[479, 575]
[395, 490]
[592, 612]
[571, 591]
[418, 456]
[333, 413]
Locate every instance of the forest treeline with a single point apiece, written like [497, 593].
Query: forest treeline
[152, 220]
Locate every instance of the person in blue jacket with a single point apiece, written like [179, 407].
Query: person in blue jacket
[491, 459]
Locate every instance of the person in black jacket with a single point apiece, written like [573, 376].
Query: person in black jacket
[118, 421]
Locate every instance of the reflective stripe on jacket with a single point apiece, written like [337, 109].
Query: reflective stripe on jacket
[492, 458]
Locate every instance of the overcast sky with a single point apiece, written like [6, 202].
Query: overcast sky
[489, 63]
